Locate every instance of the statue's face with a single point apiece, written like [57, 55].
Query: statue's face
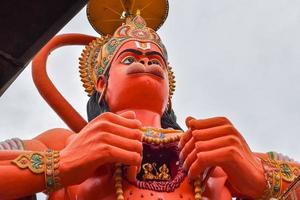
[138, 78]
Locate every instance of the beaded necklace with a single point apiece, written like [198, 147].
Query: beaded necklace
[155, 136]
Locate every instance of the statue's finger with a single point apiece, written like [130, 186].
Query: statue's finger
[214, 132]
[117, 119]
[218, 157]
[118, 155]
[115, 129]
[185, 138]
[120, 142]
[132, 172]
[188, 119]
[128, 114]
[217, 143]
[187, 149]
[208, 123]
[190, 159]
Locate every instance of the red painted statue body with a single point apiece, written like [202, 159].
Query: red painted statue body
[137, 95]
[130, 91]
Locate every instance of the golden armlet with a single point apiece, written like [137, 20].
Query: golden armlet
[275, 173]
[42, 162]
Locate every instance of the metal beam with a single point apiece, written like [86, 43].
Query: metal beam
[26, 26]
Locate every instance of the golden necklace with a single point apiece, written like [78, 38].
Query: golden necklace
[157, 137]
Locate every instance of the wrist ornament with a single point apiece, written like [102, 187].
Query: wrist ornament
[277, 172]
[46, 163]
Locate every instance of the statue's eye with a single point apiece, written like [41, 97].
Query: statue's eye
[128, 60]
[155, 62]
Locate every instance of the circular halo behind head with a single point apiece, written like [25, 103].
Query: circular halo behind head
[106, 16]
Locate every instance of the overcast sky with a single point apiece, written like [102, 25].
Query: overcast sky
[233, 58]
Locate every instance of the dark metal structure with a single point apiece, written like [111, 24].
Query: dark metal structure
[25, 27]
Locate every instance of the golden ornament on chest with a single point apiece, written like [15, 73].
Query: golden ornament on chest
[150, 172]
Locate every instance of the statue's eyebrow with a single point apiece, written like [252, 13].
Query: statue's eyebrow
[137, 52]
[154, 53]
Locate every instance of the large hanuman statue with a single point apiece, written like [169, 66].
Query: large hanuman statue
[132, 148]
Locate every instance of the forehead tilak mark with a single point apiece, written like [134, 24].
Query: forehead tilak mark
[143, 46]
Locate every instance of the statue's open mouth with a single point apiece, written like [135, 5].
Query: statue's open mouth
[161, 169]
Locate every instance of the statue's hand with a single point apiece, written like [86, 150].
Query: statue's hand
[215, 142]
[108, 139]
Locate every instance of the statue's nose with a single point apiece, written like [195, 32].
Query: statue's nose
[145, 61]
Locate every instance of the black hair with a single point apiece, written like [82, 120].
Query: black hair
[168, 119]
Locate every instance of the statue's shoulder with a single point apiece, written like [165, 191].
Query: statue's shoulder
[55, 139]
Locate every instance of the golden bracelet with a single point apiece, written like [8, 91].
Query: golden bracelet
[42, 162]
[51, 175]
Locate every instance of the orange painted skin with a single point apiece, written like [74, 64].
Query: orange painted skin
[137, 99]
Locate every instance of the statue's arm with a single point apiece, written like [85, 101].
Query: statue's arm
[55, 139]
[108, 139]
[284, 184]
[293, 172]
[216, 142]
[16, 182]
